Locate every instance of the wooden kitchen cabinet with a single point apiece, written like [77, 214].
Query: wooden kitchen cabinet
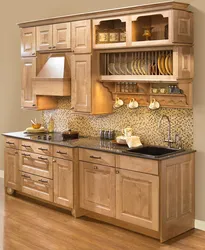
[97, 188]
[28, 41]
[28, 66]
[137, 198]
[44, 36]
[81, 36]
[81, 83]
[54, 37]
[11, 161]
[63, 182]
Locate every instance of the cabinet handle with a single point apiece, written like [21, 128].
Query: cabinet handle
[34, 105]
[49, 47]
[54, 160]
[26, 155]
[117, 171]
[43, 181]
[43, 149]
[62, 153]
[33, 54]
[10, 143]
[16, 153]
[26, 176]
[95, 157]
[42, 158]
[54, 47]
[95, 167]
[26, 146]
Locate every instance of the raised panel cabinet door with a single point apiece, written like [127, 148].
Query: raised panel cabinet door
[61, 36]
[137, 198]
[28, 41]
[63, 182]
[97, 188]
[11, 160]
[81, 83]
[81, 36]
[28, 66]
[44, 37]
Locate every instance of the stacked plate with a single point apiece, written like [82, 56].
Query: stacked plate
[165, 65]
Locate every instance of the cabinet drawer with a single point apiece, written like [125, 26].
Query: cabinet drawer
[97, 157]
[35, 147]
[37, 186]
[137, 164]
[36, 164]
[63, 152]
[11, 143]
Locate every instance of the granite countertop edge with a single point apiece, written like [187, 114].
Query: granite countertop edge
[94, 144]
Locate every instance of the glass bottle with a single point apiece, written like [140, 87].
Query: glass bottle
[51, 124]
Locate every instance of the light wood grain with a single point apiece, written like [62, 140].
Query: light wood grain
[35, 147]
[11, 173]
[137, 198]
[36, 186]
[137, 164]
[11, 143]
[97, 188]
[177, 196]
[44, 35]
[97, 157]
[28, 71]
[81, 83]
[61, 36]
[36, 164]
[28, 41]
[81, 36]
[63, 182]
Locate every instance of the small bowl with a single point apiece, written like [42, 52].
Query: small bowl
[36, 126]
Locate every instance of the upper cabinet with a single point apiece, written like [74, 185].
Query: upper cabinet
[159, 28]
[81, 36]
[53, 37]
[28, 41]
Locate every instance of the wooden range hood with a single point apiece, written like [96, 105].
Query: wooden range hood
[53, 75]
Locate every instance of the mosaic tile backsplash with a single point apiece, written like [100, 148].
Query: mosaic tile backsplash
[143, 122]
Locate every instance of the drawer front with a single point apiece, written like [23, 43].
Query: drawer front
[63, 152]
[39, 187]
[11, 143]
[97, 157]
[137, 164]
[36, 164]
[35, 147]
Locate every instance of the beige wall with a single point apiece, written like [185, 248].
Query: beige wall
[12, 118]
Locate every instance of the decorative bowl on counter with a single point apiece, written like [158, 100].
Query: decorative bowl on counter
[36, 126]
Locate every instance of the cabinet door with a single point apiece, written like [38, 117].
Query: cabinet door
[11, 159]
[97, 188]
[28, 41]
[137, 199]
[81, 83]
[63, 182]
[81, 36]
[28, 72]
[44, 37]
[61, 36]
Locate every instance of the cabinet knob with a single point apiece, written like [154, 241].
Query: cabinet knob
[16, 153]
[49, 47]
[54, 160]
[54, 47]
[95, 167]
[117, 171]
[34, 105]
[33, 54]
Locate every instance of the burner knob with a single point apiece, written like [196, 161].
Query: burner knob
[49, 137]
[39, 137]
[44, 137]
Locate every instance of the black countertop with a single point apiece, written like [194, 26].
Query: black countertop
[94, 143]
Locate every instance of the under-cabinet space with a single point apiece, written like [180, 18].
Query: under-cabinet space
[110, 33]
[63, 182]
[36, 186]
[137, 198]
[97, 188]
[28, 41]
[36, 164]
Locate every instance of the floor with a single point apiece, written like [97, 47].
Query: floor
[25, 225]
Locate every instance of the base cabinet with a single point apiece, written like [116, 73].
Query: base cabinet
[63, 182]
[137, 198]
[97, 188]
[11, 159]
